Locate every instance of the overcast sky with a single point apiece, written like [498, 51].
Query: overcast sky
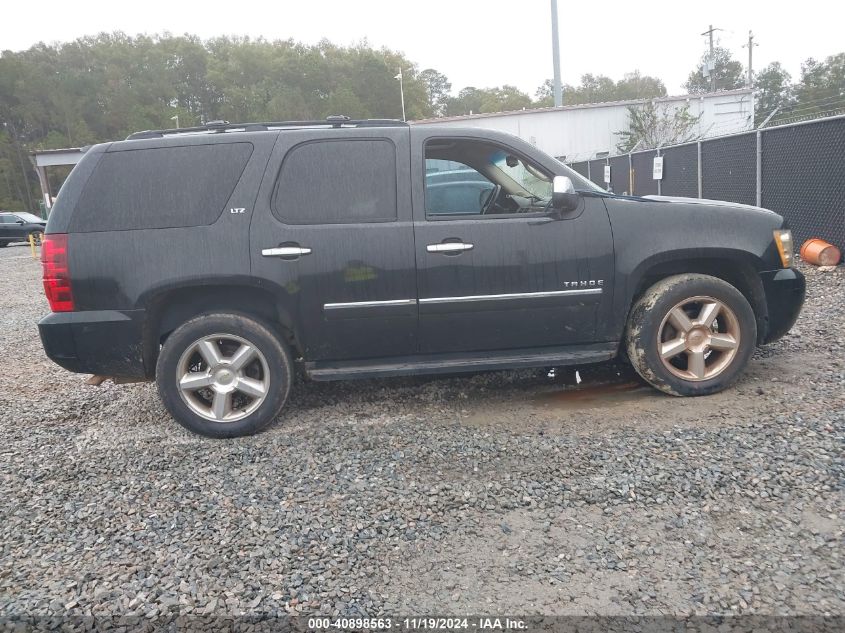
[473, 42]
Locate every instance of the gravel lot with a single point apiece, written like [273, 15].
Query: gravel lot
[500, 493]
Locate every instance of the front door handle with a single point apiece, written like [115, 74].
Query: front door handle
[287, 251]
[449, 247]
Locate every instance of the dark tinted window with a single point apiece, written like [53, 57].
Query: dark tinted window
[160, 188]
[337, 182]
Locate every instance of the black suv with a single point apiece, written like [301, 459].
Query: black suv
[18, 226]
[219, 260]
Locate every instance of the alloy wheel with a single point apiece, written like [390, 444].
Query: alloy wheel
[698, 338]
[223, 377]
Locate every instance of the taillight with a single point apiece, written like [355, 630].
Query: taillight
[55, 275]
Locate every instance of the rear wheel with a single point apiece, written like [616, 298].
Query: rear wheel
[691, 335]
[4, 244]
[224, 375]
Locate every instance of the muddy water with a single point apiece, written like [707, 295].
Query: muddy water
[596, 396]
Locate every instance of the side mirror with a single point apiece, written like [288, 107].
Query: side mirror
[18, 221]
[564, 196]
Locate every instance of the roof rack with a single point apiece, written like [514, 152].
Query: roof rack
[336, 121]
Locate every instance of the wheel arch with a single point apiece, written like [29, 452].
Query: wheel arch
[170, 307]
[738, 268]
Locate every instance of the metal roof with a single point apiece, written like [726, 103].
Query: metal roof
[51, 157]
[585, 106]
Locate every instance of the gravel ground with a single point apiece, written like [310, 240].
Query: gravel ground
[506, 492]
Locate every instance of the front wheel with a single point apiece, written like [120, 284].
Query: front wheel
[691, 335]
[224, 375]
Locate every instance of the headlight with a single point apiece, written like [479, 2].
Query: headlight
[783, 238]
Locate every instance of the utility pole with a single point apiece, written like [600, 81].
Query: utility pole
[401, 92]
[17, 146]
[711, 58]
[751, 44]
[556, 56]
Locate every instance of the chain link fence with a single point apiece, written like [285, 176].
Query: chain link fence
[680, 171]
[796, 170]
[729, 169]
[803, 178]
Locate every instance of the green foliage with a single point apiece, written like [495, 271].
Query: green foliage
[773, 88]
[821, 89]
[437, 88]
[599, 88]
[819, 92]
[729, 73]
[105, 87]
[653, 125]
[473, 100]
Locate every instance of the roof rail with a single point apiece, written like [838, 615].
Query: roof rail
[335, 121]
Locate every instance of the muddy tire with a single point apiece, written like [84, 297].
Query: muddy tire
[690, 335]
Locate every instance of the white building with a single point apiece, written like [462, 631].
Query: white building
[579, 132]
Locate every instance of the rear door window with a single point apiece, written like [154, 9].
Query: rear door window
[160, 188]
[345, 181]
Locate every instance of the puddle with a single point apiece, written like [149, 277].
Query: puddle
[595, 396]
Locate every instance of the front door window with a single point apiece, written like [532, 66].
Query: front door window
[479, 178]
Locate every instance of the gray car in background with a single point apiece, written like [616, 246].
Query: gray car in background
[18, 226]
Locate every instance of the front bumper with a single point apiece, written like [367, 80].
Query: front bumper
[785, 290]
[103, 342]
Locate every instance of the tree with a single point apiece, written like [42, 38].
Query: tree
[472, 100]
[504, 99]
[544, 96]
[729, 73]
[599, 88]
[437, 89]
[635, 85]
[822, 86]
[593, 89]
[652, 125]
[773, 89]
[104, 87]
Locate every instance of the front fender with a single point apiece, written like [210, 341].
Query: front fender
[654, 239]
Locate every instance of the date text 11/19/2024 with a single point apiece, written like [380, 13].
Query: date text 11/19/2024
[418, 624]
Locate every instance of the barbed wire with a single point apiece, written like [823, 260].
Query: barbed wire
[815, 103]
[805, 105]
[810, 117]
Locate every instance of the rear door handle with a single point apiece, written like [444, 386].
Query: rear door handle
[449, 247]
[286, 252]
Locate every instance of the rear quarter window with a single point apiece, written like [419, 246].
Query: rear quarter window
[337, 182]
[160, 188]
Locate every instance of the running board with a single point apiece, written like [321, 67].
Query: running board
[462, 362]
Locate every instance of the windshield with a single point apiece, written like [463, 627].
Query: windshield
[535, 183]
[29, 217]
